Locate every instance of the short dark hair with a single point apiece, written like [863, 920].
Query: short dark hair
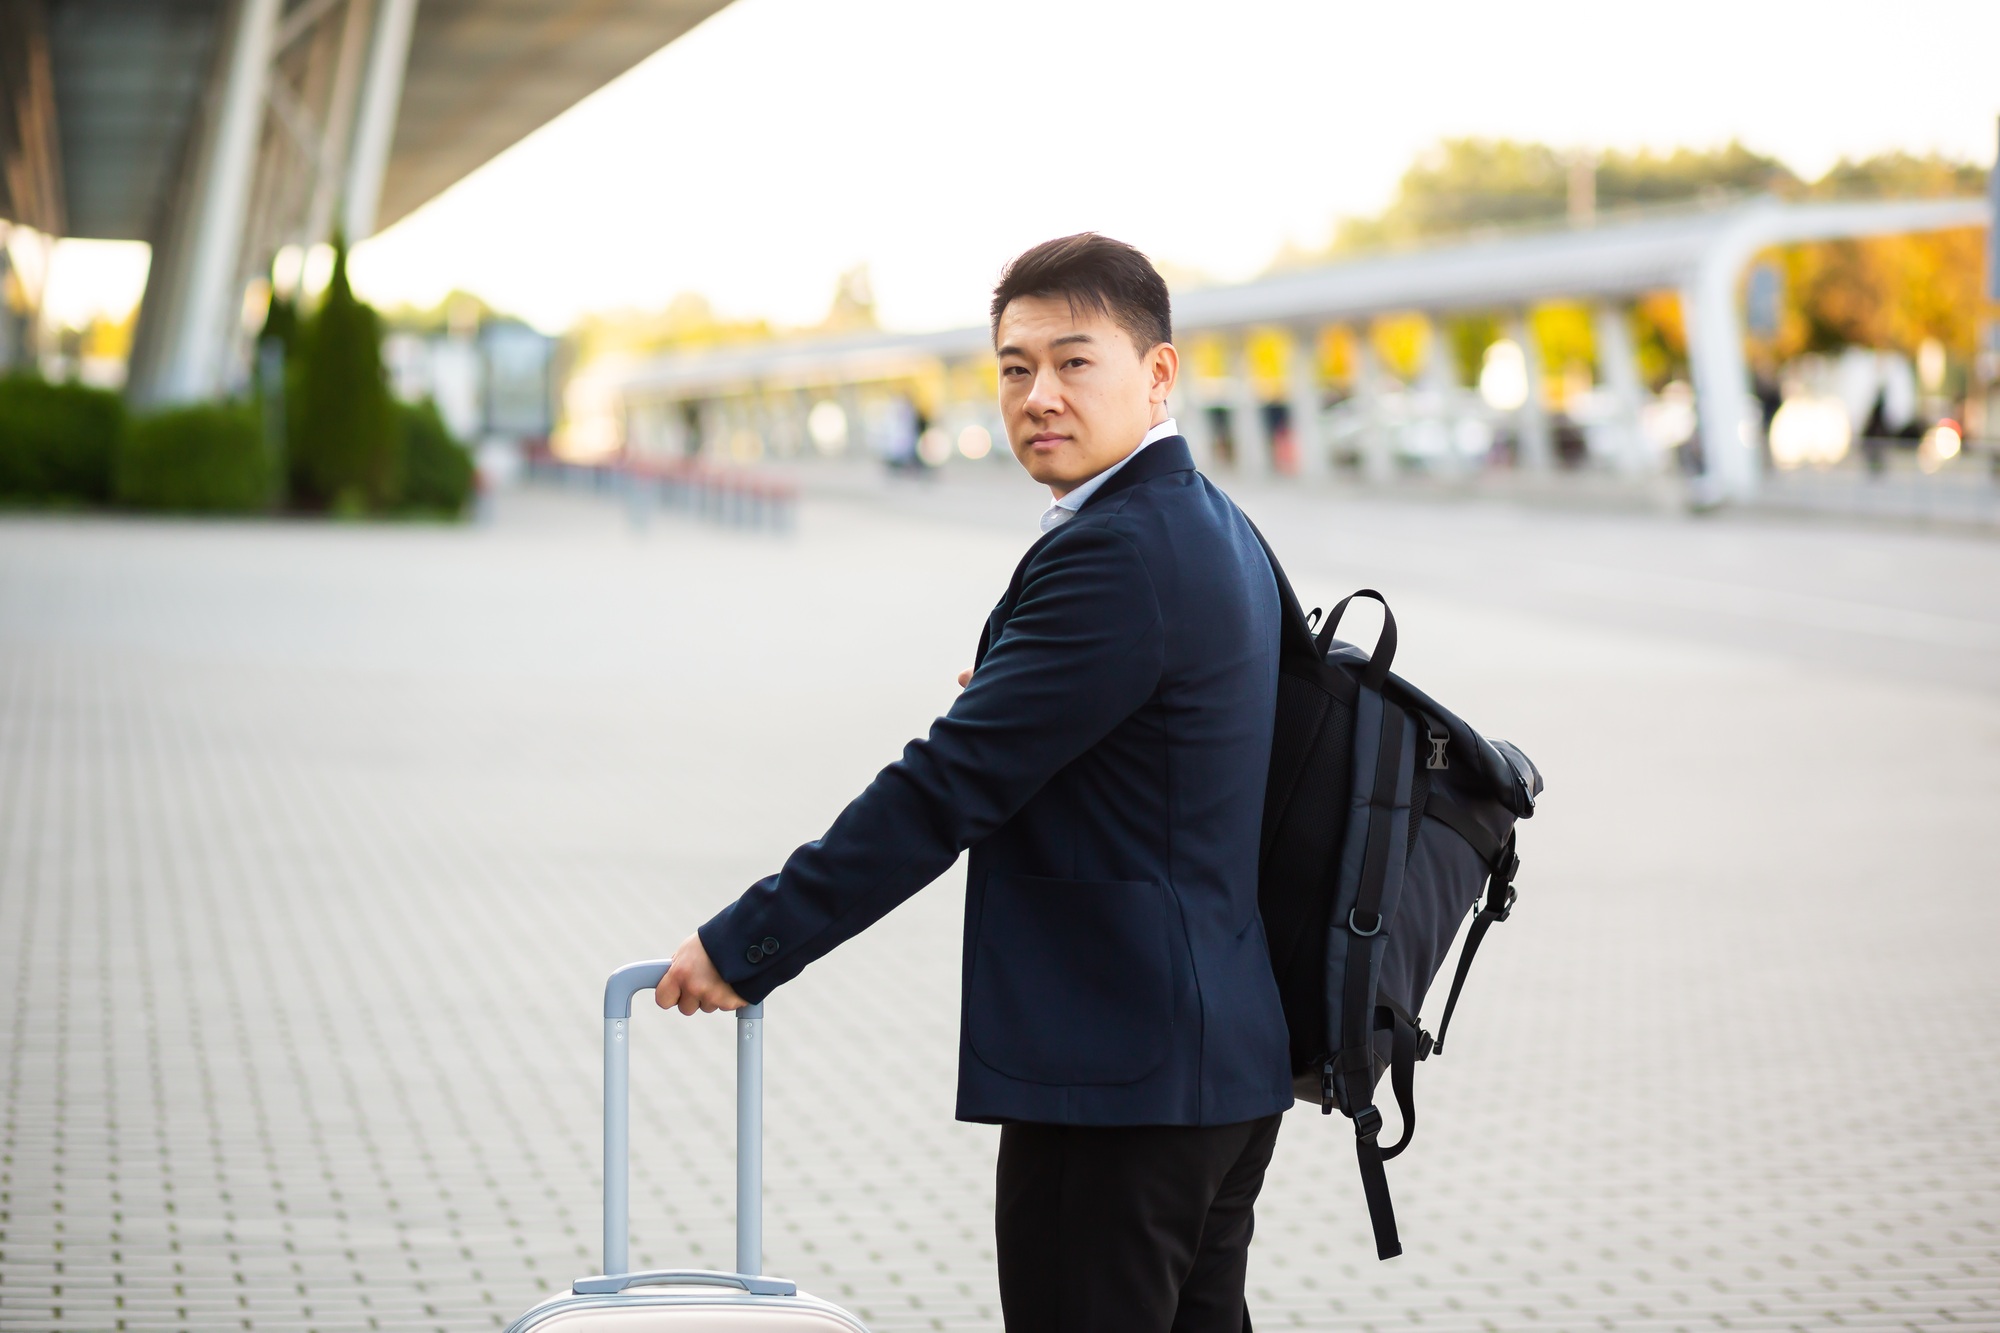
[1096, 273]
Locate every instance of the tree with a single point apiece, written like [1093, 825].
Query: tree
[1464, 186]
[1886, 291]
[345, 442]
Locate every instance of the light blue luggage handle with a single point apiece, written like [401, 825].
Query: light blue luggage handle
[623, 984]
[684, 1277]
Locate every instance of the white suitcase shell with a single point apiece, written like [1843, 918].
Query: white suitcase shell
[641, 1309]
[683, 1299]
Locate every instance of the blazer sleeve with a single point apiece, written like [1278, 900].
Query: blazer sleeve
[1082, 649]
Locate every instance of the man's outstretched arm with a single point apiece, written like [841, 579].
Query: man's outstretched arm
[1081, 650]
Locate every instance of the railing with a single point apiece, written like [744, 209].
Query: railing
[734, 497]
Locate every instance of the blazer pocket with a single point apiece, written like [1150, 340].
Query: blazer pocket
[1072, 980]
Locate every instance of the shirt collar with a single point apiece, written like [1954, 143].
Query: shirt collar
[1062, 511]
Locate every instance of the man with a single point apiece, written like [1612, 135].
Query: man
[1105, 765]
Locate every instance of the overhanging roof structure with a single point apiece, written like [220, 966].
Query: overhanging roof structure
[129, 77]
[221, 131]
[485, 73]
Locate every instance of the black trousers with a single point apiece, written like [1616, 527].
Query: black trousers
[1139, 1229]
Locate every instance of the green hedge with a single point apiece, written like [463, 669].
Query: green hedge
[207, 459]
[436, 469]
[341, 432]
[57, 441]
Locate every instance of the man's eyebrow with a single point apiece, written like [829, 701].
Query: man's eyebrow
[1011, 350]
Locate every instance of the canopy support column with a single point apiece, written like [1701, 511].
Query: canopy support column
[1537, 451]
[1246, 415]
[1730, 456]
[1302, 380]
[1378, 458]
[1618, 368]
[375, 126]
[191, 296]
[1190, 411]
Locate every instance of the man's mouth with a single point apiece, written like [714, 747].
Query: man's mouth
[1047, 437]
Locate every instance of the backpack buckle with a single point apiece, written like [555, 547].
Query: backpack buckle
[1367, 1123]
[1355, 926]
[1438, 742]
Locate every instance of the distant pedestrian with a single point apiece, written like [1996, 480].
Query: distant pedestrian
[1105, 764]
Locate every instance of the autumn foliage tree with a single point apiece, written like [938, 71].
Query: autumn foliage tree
[1884, 292]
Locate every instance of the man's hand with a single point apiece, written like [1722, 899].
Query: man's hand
[693, 983]
[965, 678]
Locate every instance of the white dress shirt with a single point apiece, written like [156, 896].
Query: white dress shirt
[1062, 511]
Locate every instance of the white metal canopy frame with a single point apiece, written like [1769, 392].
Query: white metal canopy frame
[1699, 253]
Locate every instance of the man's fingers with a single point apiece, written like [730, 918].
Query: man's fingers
[692, 985]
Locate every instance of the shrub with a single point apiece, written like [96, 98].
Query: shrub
[206, 459]
[437, 470]
[57, 441]
[342, 435]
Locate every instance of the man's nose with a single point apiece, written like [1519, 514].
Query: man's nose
[1044, 395]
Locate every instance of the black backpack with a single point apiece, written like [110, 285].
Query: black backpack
[1384, 817]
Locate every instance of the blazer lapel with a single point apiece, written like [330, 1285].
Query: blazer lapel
[1163, 456]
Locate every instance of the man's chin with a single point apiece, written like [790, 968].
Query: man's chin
[1050, 472]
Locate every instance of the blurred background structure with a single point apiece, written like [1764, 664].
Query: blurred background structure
[1278, 380]
[223, 131]
[1682, 327]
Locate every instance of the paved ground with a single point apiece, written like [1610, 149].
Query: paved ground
[316, 842]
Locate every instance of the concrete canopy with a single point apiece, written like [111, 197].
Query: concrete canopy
[484, 74]
[129, 77]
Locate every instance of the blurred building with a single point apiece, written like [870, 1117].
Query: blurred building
[1285, 374]
[220, 130]
[491, 385]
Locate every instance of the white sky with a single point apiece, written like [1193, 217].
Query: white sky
[785, 140]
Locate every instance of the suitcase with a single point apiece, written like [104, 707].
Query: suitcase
[680, 1300]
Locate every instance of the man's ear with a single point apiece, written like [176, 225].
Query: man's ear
[1163, 365]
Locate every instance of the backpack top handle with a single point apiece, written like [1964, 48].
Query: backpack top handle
[1385, 646]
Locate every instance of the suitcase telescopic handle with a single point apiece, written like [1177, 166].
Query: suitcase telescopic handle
[625, 983]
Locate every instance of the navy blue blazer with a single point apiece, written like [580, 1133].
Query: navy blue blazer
[1106, 768]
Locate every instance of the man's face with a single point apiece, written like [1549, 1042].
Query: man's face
[1075, 392]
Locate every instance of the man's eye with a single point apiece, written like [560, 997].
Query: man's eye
[1016, 371]
[1075, 361]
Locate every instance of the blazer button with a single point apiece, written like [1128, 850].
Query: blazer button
[770, 946]
[753, 955]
